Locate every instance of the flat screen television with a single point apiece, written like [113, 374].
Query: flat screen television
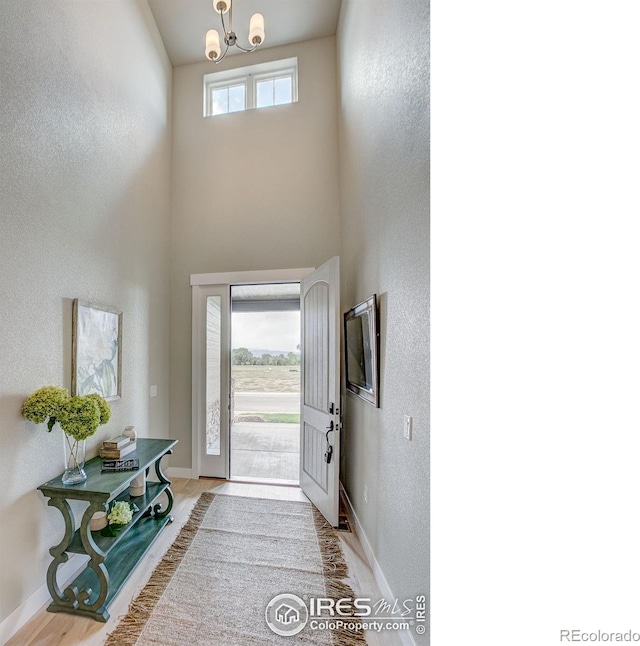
[361, 343]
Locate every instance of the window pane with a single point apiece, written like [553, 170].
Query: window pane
[265, 94]
[219, 101]
[214, 323]
[236, 98]
[282, 91]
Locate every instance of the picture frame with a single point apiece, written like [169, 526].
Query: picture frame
[96, 364]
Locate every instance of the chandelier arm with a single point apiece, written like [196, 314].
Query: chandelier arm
[247, 50]
[225, 53]
[224, 29]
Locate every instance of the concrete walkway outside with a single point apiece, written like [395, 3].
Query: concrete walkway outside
[263, 450]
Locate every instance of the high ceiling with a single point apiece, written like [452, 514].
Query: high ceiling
[184, 23]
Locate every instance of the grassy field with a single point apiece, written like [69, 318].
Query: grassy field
[266, 379]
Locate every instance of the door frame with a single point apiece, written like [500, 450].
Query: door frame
[199, 283]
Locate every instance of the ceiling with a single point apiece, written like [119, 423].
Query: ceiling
[184, 23]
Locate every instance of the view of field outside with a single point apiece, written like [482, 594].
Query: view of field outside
[267, 379]
[265, 382]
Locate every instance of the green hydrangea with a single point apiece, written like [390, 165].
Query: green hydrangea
[43, 403]
[105, 409]
[79, 416]
[121, 513]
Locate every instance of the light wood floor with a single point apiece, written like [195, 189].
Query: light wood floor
[59, 629]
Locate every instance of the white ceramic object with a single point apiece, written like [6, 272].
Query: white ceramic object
[98, 521]
[130, 432]
[137, 486]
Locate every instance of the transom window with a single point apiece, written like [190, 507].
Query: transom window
[255, 86]
[228, 99]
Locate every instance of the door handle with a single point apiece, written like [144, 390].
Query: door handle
[329, 452]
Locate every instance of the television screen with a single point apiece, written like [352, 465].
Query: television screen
[359, 357]
[361, 350]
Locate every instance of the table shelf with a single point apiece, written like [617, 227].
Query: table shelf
[122, 560]
[112, 558]
[107, 543]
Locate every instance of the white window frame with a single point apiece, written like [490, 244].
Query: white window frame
[249, 76]
[285, 72]
[223, 85]
[203, 285]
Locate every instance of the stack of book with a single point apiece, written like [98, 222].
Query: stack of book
[117, 447]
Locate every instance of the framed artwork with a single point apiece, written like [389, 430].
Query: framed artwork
[96, 365]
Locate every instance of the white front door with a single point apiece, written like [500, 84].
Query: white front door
[320, 389]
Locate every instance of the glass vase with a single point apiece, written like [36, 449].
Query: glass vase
[74, 473]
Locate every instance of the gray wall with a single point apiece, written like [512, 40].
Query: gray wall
[384, 180]
[84, 213]
[251, 190]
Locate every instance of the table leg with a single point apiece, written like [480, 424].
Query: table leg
[73, 599]
[96, 563]
[158, 512]
[59, 553]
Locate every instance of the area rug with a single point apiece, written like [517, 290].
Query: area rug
[231, 558]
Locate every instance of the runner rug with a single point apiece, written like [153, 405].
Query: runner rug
[217, 582]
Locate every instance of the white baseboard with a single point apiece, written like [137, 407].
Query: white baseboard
[179, 472]
[28, 608]
[405, 636]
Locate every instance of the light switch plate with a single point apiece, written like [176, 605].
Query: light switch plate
[408, 427]
[153, 391]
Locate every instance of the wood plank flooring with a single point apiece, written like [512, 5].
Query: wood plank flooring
[59, 629]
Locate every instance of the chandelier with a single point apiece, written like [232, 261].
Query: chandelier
[212, 49]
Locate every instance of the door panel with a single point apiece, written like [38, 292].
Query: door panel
[314, 447]
[316, 342]
[320, 413]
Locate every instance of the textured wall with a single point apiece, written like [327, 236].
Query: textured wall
[384, 182]
[84, 212]
[251, 190]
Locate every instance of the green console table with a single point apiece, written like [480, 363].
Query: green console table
[112, 559]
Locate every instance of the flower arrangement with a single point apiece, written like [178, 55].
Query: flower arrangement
[121, 514]
[78, 416]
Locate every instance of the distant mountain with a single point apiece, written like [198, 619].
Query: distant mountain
[258, 352]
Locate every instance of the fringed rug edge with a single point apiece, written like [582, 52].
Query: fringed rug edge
[335, 570]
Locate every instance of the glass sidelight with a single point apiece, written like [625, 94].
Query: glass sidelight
[213, 364]
[210, 358]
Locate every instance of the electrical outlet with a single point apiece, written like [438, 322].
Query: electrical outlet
[153, 391]
[408, 427]
[366, 494]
